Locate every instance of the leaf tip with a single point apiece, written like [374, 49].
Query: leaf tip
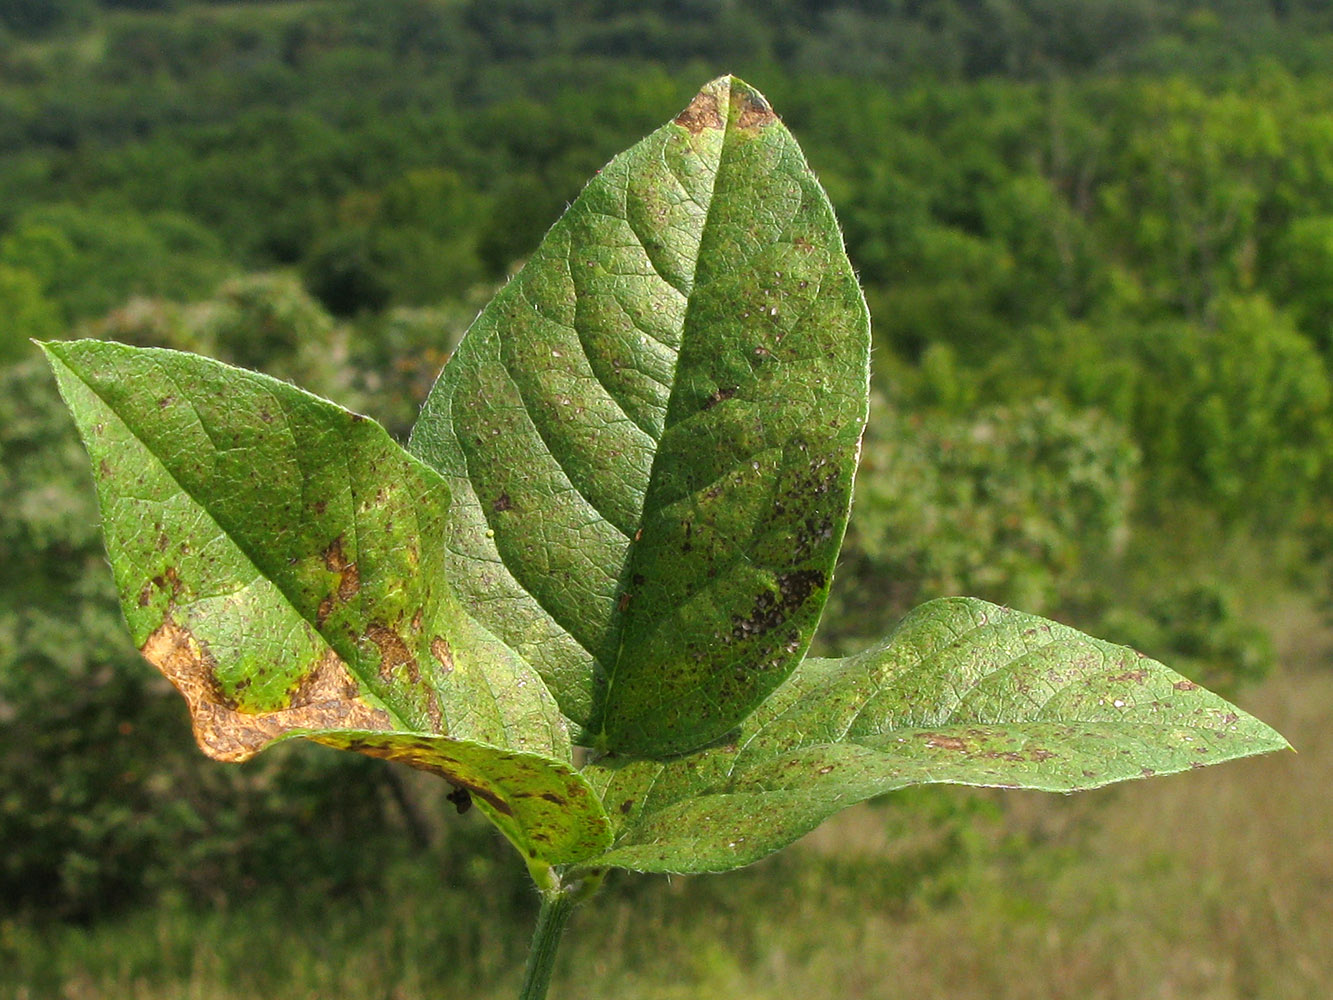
[726, 99]
[48, 348]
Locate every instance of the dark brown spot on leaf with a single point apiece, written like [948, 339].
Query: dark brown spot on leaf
[502, 504]
[333, 555]
[329, 681]
[1184, 685]
[349, 583]
[773, 609]
[169, 580]
[719, 396]
[434, 713]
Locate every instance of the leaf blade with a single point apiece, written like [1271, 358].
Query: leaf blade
[925, 706]
[274, 560]
[670, 392]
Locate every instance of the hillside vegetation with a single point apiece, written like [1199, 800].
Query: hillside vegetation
[1096, 237]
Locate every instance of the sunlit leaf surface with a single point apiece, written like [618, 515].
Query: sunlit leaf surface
[268, 547]
[962, 692]
[651, 431]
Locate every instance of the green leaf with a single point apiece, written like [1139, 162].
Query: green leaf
[651, 432]
[278, 560]
[962, 692]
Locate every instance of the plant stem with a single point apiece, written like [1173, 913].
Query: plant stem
[557, 904]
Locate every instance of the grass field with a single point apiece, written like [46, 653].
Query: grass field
[1214, 885]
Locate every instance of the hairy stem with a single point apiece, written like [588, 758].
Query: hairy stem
[557, 905]
[559, 898]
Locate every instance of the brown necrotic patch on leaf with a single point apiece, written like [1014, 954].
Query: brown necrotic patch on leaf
[444, 656]
[170, 580]
[944, 742]
[1137, 676]
[703, 112]
[393, 652]
[349, 577]
[326, 699]
[329, 681]
[349, 583]
[754, 111]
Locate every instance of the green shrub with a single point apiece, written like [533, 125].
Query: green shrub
[1007, 503]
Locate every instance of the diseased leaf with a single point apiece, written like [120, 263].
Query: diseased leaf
[962, 692]
[277, 560]
[651, 432]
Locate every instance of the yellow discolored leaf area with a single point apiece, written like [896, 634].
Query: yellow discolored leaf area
[279, 561]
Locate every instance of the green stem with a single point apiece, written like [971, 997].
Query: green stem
[561, 892]
[557, 904]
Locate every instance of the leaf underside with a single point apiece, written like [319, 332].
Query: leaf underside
[272, 556]
[651, 432]
[962, 692]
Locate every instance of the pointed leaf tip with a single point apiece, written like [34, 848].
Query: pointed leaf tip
[650, 433]
[962, 692]
[725, 99]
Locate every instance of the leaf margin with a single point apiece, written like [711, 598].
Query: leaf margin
[331, 691]
[711, 827]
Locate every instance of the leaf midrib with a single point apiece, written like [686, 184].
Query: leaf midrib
[690, 300]
[727, 784]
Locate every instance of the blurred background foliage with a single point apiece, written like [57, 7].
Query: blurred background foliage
[1096, 237]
